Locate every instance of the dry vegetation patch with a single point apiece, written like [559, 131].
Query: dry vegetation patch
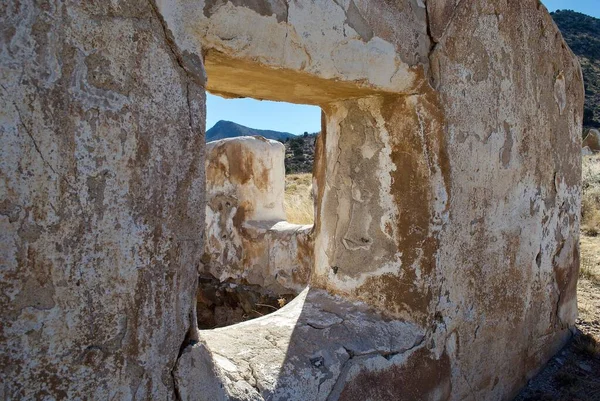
[298, 202]
[590, 202]
[588, 289]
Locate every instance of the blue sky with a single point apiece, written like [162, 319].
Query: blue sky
[589, 7]
[276, 116]
[298, 118]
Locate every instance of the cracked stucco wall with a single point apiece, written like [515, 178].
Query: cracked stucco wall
[435, 206]
[101, 200]
[365, 46]
[448, 184]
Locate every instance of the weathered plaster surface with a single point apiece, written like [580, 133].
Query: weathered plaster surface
[101, 201]
[434, 206]
[509, 254]
[368, 45]
[447, 181]
[309, 350]
[247, 237]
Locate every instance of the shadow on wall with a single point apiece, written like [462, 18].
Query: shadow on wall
[318, 347]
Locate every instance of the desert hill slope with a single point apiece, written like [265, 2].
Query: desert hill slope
[582, 34]
[227, 129]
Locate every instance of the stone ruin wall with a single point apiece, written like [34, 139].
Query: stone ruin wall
[102, 200]
[447, 181]
[250, 248]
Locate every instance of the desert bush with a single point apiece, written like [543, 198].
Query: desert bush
[588, 267]
[587, 345]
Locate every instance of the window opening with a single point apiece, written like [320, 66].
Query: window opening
[224, 302]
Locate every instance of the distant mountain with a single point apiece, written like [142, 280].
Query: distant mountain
[582, 34]
[299, 150]
[227, 129]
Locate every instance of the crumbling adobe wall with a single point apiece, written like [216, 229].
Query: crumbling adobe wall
[101, 200]
[434, 206]
[247, 238]
[254, 260]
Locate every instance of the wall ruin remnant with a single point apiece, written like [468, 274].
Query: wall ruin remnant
[249, 244]
[444, 237]
[101, 200]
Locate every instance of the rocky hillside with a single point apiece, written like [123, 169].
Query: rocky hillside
[227, 129]
[582, 34]
[300, 153]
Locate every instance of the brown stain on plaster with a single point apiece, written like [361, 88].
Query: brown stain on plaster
[255, 254]
[506, 151]
[416, 126]
[319, 169]
[231, 78]
[240, 164]
[420, 377]
[262, 178]
[241, 167]
[566, 280]
[244, 209]
[305, 256]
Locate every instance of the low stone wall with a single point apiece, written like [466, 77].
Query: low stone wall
[248, 240]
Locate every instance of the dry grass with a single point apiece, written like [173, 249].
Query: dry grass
[590, 259]
[590, 220]
[298, 200]
[587, 345]
[588, 289]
